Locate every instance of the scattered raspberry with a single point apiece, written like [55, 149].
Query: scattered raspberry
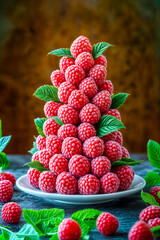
[113, 151]
[65, 62]
[93, 147]
[125, 153]
[88, 185]
[41, 142]
[67, 130]
[66, 183]
[89, 87]
[98, 73]
[90, 114]
[11, 212]
[102, 100]
[53, 144]
[33, 177]
[58, 164]
[51, 109]
[100, 166]
[69, 229]
[119, 138]
[74, 74]
[44, 157]
[85, 61]
[140, 231]
[80, 44]
[8, 176]
[71, 146]
[154, 192]
[150, 212]
[107, 224]
[50, 127]
[57, 77]
[109, 183]
[35, 156]
[47, 182]
[79, 165]
[85, 131]
[65, 90]
[108, 86]
[101, 60]
[78, 99]
[110, 137]
[154, 222]
[6, 191]
[113, 112]
[68, 114]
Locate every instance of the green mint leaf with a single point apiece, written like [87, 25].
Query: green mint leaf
[0, 128]
[33, 150]
[99, 48]
[156, 231]
[54, 237]
[152, 179]
[125, 161]
[3, 142]
[153, 149]
[47, 93]
[7, 234]
[4, 162]
[84, 227]
[118, 100]
[61, 52]
[39, 124]
[157, 171]
[36, 165]
[87, 237]
[148, 198]
[58, 120]
[35, 144]
[27, 232]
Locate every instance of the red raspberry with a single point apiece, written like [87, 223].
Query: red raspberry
[79, 165]
[119, 138]
[154, 192]
[69, 229]
[102, 100]
[67, 130]
[11, 212]
[58, 164]
[90, 114]
[41, 142]
[108, 86]
[51, 109]
[80, 44]
[8, 176]
[109, 183]
[98, 73]
[85, 131]
[150, 212]
[66, 183]
[35, 156]
[88, 185]
[107, 223]
[125, 153]
[100, 166]
[85, 61]
[110, 137]
[57, 77]
[65, 90]
[89, 87]
[113, 151]
[140, 231]
[6, 191]
[113, 112]
[33, 177]
[68, 114]
[44, 157]
[93, 147]
[154, 222]
[78, 99]
[71, 146]
[65, 62]
[47, 182]
[101, 60]
[53, 144]
[50, 127]
[74, 74]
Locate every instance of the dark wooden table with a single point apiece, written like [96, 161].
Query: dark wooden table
[125, 209]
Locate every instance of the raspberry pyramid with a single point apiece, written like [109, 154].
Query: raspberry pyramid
[79, 148]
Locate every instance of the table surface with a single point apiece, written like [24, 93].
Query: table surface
[126, 209]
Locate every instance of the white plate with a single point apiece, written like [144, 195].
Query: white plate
[137, 185]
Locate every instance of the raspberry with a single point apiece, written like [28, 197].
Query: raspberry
[80, 44]
[41, 142]
[33, 177]
[140, 231]
[51, 109]
[44, 157]
[101, 60]
[89, 87]
[90, 114]
[58, 164]
[65, 62]
[57, 77]
[88, 185]
[154, 222]
[110, 137]
[6, 191]
[8, 176]
[74, 74]
[67, 130]
[102, 100]
[66, 184]
[93, 147]
[98, 73]
[85, 61]
[35, 156]
[150, 212]
[109, 183]
[79, 165]
[78, 99]
[69, 229]
[113, 151]
[50, 127]
[113, 112]
[53, 144]
[85, 131]
[47, 182]
[154, 192]
[65, 90]
[71, 146]
[108, 86]
[68, 114]
[125, 153]
[119, 138]
[107, 223]
[11, 212]
[100, 166]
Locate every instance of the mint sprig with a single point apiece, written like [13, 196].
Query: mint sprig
[3, 142]
[62, 52]
[125, 161]
[152, 179]
[47, 93]
[148, 198]
[36, 165]
[118, 100]
[99, 48]
[153, 149]
[4, 162]
[58, 120]
[39, 124]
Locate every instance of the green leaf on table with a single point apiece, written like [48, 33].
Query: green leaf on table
[7, 234]
[153, 149]
[27, 232]
[125, 161]
[58, 120]
[148, 198]
[99, 48]
[3, 142]
[156, 231]
[47, 93]
[118, 100]
[152, 179]
[0, 128]
[36, 165]
[39, 124]
[33, 150]
[61, 52]
[4, 162]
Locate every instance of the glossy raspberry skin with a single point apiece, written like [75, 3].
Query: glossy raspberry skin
[65, 62]
[74, 74]
[6, 191]
[53, 144]
[85, 131]
[47, 182]
[78, 99]
[109, 183]
[33, 177]
[154, 222]
[50, 127]
[8, 176]
[98, 73]
[80, 44]
[101, 60]
[89, 87]
[148, 213]
[154, 192]
[125, 153]
[90, 114]
[93, 147]
[79, 166]
[88, 185]
[57, 77]
[100, 166]
[85, 61]
[113, 112]
[58, 164]
[69, 229]
[107, 223]
[113, 151]
[51, 109]
[65, 90]
[119, 138]
[102, 100]
[110, 137]
[68, 114]
[11, 212]
[35, 156]
[67, 130]
[71, 146]
[44, 157]
[140, 231]
[66, 184]
[41, 142]
[108, 86]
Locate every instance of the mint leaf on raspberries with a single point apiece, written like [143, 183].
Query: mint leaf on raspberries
[62, 52]
[47, 93]
[148, 198]
[152, 179]
[33, 150]
[3, 142]
[125, 161]
[99, 48]
[39, 124]
[37, 165]
[156, 231]
[4, 162]
[118, 100]
[58, 120]
[153, 149]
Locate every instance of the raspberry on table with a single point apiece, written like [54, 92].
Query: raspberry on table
[102, 100]
[107, 223]
[100, 166]
[51, 109]
[80, 44]
[85, 131]
[125, 153]
[53, 144]
[89, 87]
[11, 212]
[8, 176]
[154, 222]
[67, 130]
[47, 182]
[140, 231]
[79, 166]
[148, 213]
[154, 192]
[109, 183]
[50, 127]
[93, 147]
[119, 138]
[98, 73]
[65, 90]
[90, 114]
[44, 157]
[101, 60]
[41, 142]
[78, 99]
[66, 184]
[88, 185]
[85, 60]
[74, 74]
[69, 229]
[35, 156]
[65, 62]
[68, 114]
[57, 77]
[113, 151]
[58, 164]
[33, 177]
[110, 137]
[71, 146]
[108, 86]
[113, 112]
[6, 191]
